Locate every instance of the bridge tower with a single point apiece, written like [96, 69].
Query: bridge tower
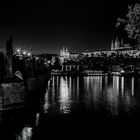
[9, 56]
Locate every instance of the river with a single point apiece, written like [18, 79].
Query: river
[77, 103]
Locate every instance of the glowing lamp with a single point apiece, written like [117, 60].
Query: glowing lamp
[29, 54]
[18, 50]
[36, 58]
[24, 52]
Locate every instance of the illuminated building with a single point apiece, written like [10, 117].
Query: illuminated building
[117, 47]
[64, 54]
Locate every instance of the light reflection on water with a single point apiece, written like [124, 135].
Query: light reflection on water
[65, 95]
[112, 94]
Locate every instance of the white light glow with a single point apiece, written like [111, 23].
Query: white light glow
[132, 86]
[122, 85]
[18, 51]
[64, 96]
[37, 58]
[116, 84]
[29, 54]
[24, 52]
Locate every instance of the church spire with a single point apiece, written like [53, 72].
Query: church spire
[117, 44]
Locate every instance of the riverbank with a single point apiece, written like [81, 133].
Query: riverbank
[20, 94]
[91, 73]
[77, 104]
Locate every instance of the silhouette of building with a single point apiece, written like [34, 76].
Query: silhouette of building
[1, 65]
[9, 57]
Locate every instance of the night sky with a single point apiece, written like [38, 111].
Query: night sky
[47, 26]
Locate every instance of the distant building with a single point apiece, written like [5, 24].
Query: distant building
[115, 45]
[1, 65]
[64, 54]
[119, 45]
[74, 55]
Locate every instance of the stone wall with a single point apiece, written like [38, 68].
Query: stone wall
[12, 93]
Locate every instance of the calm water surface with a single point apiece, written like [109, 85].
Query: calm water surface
[115, 95]
[77, 102]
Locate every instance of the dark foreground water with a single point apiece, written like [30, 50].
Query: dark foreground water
[75, 107]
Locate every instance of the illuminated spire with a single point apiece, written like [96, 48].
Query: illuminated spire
[117, 44]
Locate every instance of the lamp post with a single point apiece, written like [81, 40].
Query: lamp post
[24, 52]
[18, 51]
[29, 54]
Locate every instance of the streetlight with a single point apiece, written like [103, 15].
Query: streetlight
[37, 58]
[18, 50]
[29, 54]
[24, 52]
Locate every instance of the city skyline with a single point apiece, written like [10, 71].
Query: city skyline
[47, 27]
[66, 70]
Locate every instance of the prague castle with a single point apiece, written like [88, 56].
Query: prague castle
[66, 55]
[117, 47]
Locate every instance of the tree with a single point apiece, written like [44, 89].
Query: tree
[132, 22]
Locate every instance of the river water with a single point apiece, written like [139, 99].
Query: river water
[72, 104]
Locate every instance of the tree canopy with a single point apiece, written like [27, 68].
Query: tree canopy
[132, 22]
